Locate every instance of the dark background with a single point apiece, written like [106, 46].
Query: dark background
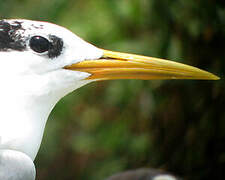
[108, 127]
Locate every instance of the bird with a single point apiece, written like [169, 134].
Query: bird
[144, 174]
[42, 62]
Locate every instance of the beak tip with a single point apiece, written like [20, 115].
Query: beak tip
[214, 77]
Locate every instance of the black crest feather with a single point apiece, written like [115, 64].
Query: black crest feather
[9, 39]
[56, 46]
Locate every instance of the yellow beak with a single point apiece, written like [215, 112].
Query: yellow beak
[116, 65]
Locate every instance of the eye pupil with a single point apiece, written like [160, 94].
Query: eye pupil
[39, 44]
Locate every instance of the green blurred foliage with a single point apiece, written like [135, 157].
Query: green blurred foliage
[108, 127]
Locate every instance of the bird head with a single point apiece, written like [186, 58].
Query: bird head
[50, 58]
[35, 55]
[42, 62]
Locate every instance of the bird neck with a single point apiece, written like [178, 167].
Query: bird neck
[23, 120]
[26, 100]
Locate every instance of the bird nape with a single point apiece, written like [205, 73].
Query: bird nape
[42, 62]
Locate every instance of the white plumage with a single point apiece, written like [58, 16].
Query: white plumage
[34, 84]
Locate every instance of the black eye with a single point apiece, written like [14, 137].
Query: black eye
[39, 44]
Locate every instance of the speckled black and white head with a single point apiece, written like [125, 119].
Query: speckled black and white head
[44, 43]
[43, 38]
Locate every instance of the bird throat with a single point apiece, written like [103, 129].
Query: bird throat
[25, 104]
[23, 120]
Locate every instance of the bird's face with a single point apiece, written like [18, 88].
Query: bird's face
[50, 58]
[35, 54]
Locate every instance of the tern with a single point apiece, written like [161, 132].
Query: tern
[144, 174]
[42, 62]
